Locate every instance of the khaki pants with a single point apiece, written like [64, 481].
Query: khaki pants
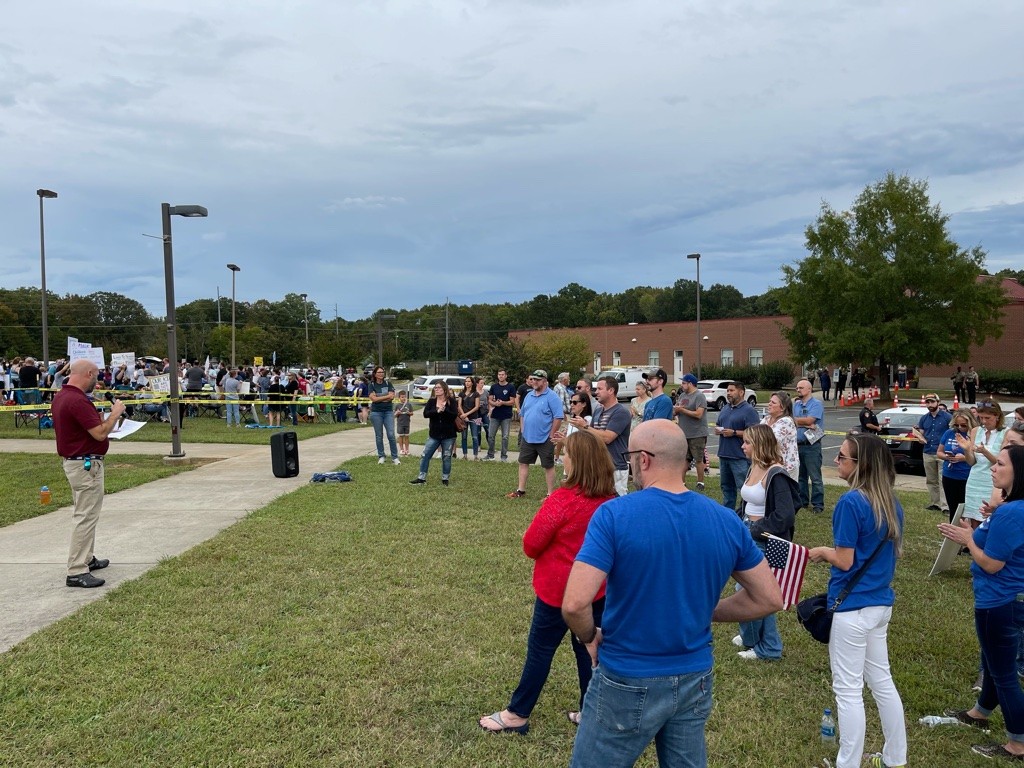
[933, 478]
[87, 492]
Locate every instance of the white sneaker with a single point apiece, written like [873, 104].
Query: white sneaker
[738, 641]
[748, 655]
[380, 460]
[396, 462]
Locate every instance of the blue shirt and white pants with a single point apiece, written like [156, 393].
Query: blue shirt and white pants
[934, 427]
[667, 557]
[732, 462]
[858, 649]
[809, 449]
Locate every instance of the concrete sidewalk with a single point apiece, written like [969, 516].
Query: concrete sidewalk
[143, 525]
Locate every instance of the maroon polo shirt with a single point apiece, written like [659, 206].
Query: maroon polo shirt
[73, 416]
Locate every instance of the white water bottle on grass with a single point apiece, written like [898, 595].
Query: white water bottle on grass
[828, 728]
[932, 720]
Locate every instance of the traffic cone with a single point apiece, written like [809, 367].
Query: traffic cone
[956, 403]
[896, 398]
[922, 399]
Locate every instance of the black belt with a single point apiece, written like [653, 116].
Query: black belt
[91, 457]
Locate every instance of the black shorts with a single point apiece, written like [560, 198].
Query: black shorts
[529, 452]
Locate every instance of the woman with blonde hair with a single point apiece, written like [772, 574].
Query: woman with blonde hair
[981, 448]
[770, 498]
[955, 469]
[552, 541]
[867, 528]
[780, 419]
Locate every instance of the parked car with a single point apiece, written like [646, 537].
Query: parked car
[714, 393]
[422, 387]
[896, 424]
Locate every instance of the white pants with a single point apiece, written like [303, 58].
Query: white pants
[621, 481]
[859, 653]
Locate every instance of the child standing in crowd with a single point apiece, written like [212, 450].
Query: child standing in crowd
[403, 419]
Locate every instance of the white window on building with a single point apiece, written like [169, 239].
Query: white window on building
[616, 358]
[756, 357]
[727, 357]
[597, 363]
[654, 358]
[677, 365]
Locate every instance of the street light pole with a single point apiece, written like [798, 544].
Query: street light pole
[305, 314]
[234, 268]
[44, 193]
[696, 257]
[166, 211]
[380, 337]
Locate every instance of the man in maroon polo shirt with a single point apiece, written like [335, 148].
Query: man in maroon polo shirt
[82, 442]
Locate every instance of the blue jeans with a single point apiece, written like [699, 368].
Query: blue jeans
[622, 715]
[430, 448]
[546, 632]
[810, 472]
[999, 636]
[384, 421]
[492, 432]
[234, 415]
[734, 472]
[474, 429]
[762, 634]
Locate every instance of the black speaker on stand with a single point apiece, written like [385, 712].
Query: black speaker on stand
[284, 454]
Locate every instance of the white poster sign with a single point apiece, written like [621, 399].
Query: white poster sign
[125, 358]
[161, 383]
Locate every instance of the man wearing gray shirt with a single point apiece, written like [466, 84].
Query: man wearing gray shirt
[691, 409]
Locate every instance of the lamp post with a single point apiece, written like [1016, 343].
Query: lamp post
[305, 314]
[696, 257]
[44, 193]
[166, 211]
[234, 268]
[380, 337]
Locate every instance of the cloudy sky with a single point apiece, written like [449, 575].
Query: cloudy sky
[391, 154]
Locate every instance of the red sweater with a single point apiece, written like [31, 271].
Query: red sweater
[554, 539]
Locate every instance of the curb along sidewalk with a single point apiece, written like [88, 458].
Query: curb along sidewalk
[141, 526]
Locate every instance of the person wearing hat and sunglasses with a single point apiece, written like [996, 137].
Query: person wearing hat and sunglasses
[929, 431]
[541, 416]
[660, 404]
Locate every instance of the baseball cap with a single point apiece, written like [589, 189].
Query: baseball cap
[540, 373]
[931, 396]
[690, 378]
[659, 374]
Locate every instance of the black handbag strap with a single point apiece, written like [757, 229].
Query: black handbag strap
[856, 577]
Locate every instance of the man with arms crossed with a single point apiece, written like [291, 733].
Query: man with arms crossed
[691, 409]
[540, 417]
[809, 415]
[501, 399]
[736, 415]
[929, 431]
[666, 553]
[82, 442]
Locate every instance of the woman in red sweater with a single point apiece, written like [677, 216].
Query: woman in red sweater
[553, 540]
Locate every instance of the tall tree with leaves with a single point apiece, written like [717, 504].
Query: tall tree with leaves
[885, 281]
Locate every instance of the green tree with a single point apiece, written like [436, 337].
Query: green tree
[513, 356]
[556, 352]
[885, 281]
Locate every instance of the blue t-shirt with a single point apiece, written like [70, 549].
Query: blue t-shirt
[735, 417]
[934, 428]
[813, 407]
[1002, 538]
[381, 389]
[668, 557]
[961, 469]
[503, 392]
[659, 407]
[538, 414]
[853, 526]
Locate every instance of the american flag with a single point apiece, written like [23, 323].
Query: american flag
[788, 562]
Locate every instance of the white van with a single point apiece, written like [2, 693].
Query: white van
[627, 378]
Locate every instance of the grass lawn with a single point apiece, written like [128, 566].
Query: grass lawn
[204, 429]
[23, 474]
[372, 623]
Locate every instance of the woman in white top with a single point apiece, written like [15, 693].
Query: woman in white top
[981, 449]
[770, 498]
[636, 405]
[780, 419]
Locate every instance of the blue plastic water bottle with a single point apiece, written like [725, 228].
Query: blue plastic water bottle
[828, 728]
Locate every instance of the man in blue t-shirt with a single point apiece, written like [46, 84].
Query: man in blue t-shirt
[736, 415]
[809, 415]
[500, 399]
[540, 417]
[929, 430]
[666, 554]
[660, 404]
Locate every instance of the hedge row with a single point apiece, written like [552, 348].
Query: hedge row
[1002, 382]
[767, 377]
